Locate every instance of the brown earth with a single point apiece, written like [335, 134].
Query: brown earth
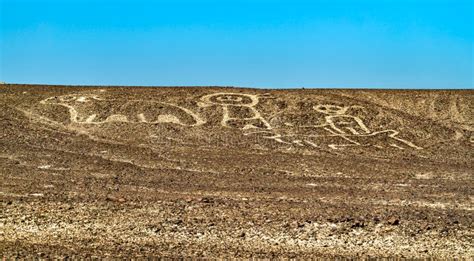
[229, 172]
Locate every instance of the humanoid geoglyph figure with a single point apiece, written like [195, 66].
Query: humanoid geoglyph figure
[354, 132]
[338, 122]
[238, 110]
[339, 130]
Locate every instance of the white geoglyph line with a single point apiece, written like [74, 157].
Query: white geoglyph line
[239, 100]
[337, 123]
[66, 101]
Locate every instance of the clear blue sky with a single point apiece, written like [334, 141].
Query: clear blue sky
[252, 43]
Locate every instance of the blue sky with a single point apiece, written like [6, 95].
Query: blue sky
[248, 43]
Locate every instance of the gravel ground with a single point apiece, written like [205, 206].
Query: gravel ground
[230, 172]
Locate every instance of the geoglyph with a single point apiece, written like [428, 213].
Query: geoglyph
[235, 104]
[338, 129]
[92, 109]
[341, 130]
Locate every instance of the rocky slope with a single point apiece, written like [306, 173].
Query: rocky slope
[230, 172]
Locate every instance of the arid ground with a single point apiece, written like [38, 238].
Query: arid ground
[232, 172]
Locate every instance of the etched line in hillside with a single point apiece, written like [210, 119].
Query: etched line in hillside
[353, 129]
[234, 104]
[339, 130]
[90, 109]
[342, 123]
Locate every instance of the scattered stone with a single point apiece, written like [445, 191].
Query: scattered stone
[206, 200]
[110, 198]
[177, 222]
[296, 224]
[358, 224]
[393, 221]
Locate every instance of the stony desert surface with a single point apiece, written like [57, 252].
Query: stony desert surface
[231, 172]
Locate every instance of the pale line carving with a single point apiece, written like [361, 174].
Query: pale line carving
[72, 102]
[231, 104]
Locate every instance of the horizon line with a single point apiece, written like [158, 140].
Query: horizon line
[237, 87]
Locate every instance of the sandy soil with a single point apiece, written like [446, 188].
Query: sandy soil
[229, 172]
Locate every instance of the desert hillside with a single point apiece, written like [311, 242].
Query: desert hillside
[233, 172]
